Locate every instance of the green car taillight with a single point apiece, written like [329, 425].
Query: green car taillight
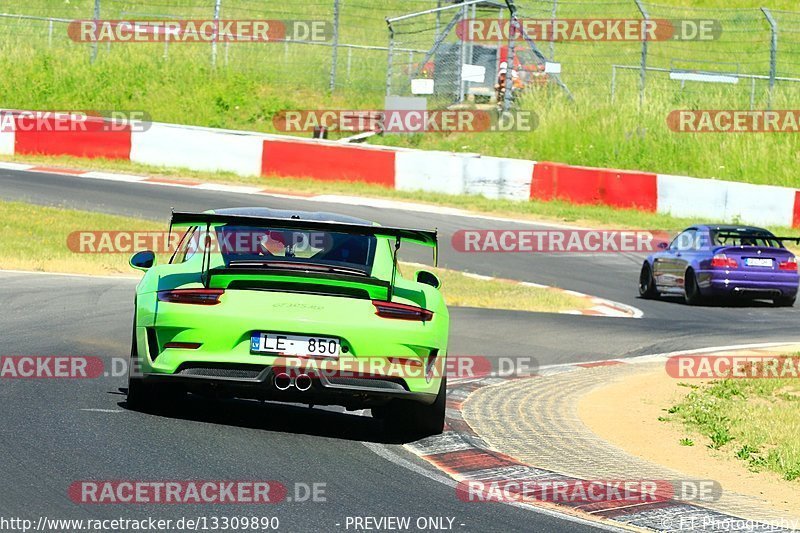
[191, 296]
[401, 311]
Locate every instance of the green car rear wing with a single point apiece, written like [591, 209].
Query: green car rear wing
[207, 220]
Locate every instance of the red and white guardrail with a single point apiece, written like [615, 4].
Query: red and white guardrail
[253, 154]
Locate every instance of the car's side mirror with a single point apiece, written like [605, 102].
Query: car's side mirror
[663, 245]
[143, 260]
[428, 278]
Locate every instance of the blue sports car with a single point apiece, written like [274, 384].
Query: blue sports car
[704, 261]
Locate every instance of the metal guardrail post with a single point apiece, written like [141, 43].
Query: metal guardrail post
[335, 54]
[643, 70]
[773, 53]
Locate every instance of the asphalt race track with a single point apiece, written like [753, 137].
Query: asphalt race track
[55, 432]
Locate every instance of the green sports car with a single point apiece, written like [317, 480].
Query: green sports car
[291, 306]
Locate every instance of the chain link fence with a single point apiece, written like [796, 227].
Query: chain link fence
[754, 61]
[352, 58]
[427, 54]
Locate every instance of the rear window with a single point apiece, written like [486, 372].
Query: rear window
[249, 246]
[744, 238]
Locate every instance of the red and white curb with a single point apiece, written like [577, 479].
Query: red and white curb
[250, 153]
[463, 456]
[598, 307]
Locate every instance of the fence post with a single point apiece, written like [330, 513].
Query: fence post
[773, 53]
[553, 23]
[438, 19]
[217, 7]
[462, 59]
[391, 57]
[335, 56]
[512, 30]
[613, 82]
[643, 71]
[95, 45]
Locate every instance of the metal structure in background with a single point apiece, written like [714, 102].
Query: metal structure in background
[441, 53]
[709, 75]
[760, 47]
[461, 69]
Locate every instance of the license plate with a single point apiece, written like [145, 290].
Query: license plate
[294, 345]
[757, 262]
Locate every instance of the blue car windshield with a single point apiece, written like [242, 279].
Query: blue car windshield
[744, 238]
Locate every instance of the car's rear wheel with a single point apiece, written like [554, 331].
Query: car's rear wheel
[414, 418]
[784, 301]
[691, 291]
[647, 283]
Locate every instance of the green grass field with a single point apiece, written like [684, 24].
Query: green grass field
[252, 82]
[754, 420]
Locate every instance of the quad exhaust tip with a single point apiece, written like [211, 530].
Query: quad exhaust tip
[283, 382]
[303, 382]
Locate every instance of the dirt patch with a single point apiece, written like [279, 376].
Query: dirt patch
[625, 413]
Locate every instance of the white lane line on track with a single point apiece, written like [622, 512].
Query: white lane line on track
[102, 410]
[68, 275]
[326, 198]
[385, 453]
[15, 166]
[638, 359]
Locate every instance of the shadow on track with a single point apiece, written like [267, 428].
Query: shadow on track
[278, 417]
[733, 303]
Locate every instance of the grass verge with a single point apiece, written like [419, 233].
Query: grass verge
[749, 419]
[35, 238]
